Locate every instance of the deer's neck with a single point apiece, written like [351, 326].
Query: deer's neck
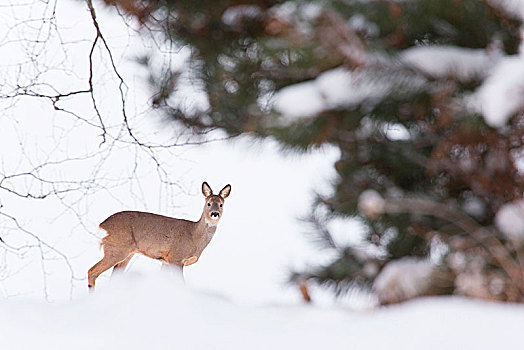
[204, 232]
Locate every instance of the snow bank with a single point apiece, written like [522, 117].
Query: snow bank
[158, 312]
[154, 312]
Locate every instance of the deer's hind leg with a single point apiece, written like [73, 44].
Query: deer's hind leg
[121, 266]
[112, 256]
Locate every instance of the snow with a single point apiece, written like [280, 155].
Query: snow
[331, 89]
[474, 207]
[234, 15]
[371, 203]
[403, 279]
[500, 96]
[513, 7]
[346, 232]
[156, 311]
[510, 221]
[298, 100]
[360, 24]
[396, 132]
[443, 61]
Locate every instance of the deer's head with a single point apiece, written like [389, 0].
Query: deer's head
[214, 203]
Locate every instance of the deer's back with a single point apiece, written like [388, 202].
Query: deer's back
[150, 233]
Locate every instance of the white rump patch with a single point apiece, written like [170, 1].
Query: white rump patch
[102, 232]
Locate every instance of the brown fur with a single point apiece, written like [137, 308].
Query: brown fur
[176, 242]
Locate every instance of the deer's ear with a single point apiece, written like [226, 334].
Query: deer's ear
[225, 191]
[206, 190]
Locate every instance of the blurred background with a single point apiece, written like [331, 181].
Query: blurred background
[374, 148]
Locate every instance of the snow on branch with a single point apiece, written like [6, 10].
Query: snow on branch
[450, 61]
[501, 96]
[402, 280]
[510, 221]
[372, 205]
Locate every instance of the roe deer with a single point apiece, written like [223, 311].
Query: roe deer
[177, 242]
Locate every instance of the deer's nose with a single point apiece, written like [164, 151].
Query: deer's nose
[215, 215]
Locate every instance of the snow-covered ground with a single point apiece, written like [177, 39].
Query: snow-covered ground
[156, 311]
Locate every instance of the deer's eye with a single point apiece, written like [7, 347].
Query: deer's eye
[220, 205]
[208, 204]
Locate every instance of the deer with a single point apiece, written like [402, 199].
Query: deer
[175, 242]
